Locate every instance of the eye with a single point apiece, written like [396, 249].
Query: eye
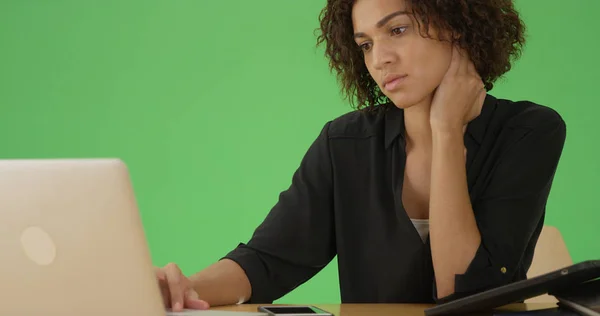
[398, 30]
[365, 46]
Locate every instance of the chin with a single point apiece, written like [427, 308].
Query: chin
[403, 100]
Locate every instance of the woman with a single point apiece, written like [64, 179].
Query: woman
[431, 190]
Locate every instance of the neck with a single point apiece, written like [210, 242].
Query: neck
[418, 127]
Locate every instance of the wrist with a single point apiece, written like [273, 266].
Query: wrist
[445, 124]
[448, 142]
[447, 132]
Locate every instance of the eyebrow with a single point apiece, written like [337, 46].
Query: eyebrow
[382, 22]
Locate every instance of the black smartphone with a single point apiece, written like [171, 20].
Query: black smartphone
[294, 310]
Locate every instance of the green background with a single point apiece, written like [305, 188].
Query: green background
[213, 103]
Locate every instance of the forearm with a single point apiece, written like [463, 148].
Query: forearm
[222, 283]
[454, 234]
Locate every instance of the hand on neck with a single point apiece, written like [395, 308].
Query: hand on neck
[418, 125]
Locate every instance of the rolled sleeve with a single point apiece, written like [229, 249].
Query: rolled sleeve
[255, 267]
[296, 239]
[510, 212]
[481, 274]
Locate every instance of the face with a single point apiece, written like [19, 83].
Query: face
[406, 66]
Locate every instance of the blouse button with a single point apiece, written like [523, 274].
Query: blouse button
[503, 270]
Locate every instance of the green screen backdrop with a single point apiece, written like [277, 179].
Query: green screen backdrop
[212, 104]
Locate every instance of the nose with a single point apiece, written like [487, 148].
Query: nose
[383, 55]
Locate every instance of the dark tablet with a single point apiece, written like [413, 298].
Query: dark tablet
[521, 290]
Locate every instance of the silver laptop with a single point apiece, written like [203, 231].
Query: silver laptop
[72, 242]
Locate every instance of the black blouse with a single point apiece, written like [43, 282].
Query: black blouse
[345, 200]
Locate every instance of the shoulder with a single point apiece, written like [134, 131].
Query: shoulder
[357, 124]
[504, 121]
[525, 115]
[519, 149]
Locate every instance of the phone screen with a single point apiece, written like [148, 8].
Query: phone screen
[291, 310]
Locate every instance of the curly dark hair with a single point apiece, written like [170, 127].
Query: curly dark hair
[491, 31]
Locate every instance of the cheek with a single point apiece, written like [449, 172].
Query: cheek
[430, 65]
[426, 65]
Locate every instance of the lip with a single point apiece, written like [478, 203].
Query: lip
[391, 81]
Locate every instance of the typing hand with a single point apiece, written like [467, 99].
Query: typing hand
[176, 289]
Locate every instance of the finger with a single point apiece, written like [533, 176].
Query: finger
[176, 287]
[160, 274]
[196, 304]
[166, 295]
[163, 286]
[191, 294]
[465, 60]
[193, 302]
[482, 96]
[479, 103]
[454, 62]
[471, 68]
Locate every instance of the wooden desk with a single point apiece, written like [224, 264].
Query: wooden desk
[383, 309]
